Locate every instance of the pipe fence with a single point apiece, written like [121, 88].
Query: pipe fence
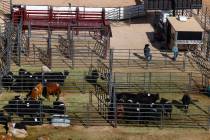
[86, 114]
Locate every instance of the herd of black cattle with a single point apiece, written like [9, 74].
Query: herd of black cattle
[139, 107]
[26, 81]
[145, 107]
[32, 111]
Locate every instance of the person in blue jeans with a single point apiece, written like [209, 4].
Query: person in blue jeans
[147, 54]
[175, 51]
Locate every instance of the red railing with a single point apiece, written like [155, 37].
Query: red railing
[58, 19]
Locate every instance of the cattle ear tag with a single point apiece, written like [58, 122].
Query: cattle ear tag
[35, 119]
[30, 76]
[138, 109]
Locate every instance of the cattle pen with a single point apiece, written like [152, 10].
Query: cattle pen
[77, 40]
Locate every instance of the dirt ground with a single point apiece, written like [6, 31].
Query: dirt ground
[120, 133]
[88, 3]
[207, 3]
[132, 35]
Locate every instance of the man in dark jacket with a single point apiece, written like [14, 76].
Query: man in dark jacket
[147, 53]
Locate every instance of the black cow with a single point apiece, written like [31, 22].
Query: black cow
[21, 107]
[93, 77]
[59, 107]
[147, 98]
[125, 97]
[23, 72]
[186, 100]
[51, 77]
[24, 81]
[167, 107]
[132, 112]
[31, 107]
[35, 120]
[8, 80]
[14, 105]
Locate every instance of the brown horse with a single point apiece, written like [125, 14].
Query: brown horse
[36, 92]
[52, 89]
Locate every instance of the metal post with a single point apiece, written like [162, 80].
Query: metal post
[88, 115]
[161, 118]
[83, 83]
[110, 72]
[165, 58]
[49, 49]
[72, 46]
[129, 57]
[190, 81]
[184, 61]
[91, 97]
[208, 47]
[19, 41]
[150, 78]
[170, 82]
[11, 7]
[144, 80]
[34, 53]
[208, 125]
[205, 21]
[40, 113]
[28, 38]
[115, 107]
[119, 15]
[9, 28]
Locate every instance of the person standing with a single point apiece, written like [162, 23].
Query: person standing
[147, 54]
[175, 51]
